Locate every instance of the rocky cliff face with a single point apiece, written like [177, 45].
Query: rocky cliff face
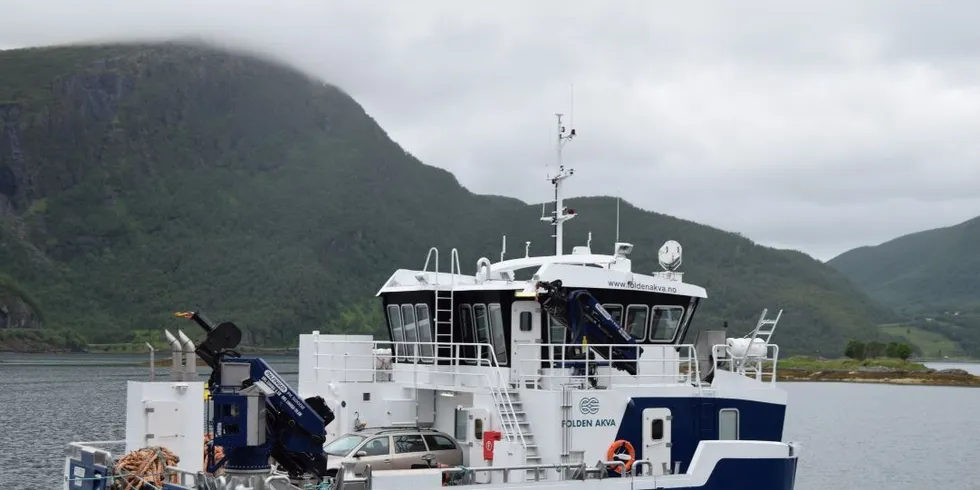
[15, 312]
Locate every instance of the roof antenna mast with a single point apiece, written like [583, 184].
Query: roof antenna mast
[560, 214]
[617, 216]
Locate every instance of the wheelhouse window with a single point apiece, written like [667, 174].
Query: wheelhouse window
[728, 424]
[425, 330]
[556, 331]
[397, 331]
[411, 334]
[497, 333]
[615, 311]
[666, 319]
[636, 321]
[466, 323]
[482, 328]
[469, 333]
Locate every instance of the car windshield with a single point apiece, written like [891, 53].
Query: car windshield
[343, 445]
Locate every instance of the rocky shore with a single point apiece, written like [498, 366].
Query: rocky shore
[882, 375]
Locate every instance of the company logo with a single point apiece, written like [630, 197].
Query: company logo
[589, 405]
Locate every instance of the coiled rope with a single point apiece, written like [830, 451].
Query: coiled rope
[144, 469]
[218, 451]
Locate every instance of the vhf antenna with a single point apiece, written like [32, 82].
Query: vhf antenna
[559, 216]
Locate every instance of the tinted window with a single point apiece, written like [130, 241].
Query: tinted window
[557, 331]
[460, 425]
[377, 446]
[408, 316]
[616, 312]
[482, 327]
[466, 324]
[409, 444]
[497, 329]
[438, 443]
[636, 321]
[665, 321]
[397, 333]
[657, 429]
[728, 424]
[526, 321]
[425, 329]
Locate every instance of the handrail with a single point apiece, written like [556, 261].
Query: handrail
[747, 365]
[425, 268]
[498, 385]
[454, 267]
[681, 369]
[600, 467]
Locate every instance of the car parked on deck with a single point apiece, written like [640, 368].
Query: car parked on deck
[393, 448]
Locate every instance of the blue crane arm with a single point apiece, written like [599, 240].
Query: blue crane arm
[291, 430]
[582, 314]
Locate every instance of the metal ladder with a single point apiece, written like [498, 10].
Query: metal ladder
[511, 408]
[444, 302]
[763, 330]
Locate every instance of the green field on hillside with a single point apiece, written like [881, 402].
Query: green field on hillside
[932, 344]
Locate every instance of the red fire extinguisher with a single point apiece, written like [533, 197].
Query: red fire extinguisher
[489, 437]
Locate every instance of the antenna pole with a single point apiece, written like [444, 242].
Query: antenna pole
[617, 218]
[559, 216]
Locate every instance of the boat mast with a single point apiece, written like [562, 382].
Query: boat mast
[560, 214]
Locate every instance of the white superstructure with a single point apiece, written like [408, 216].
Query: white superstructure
[520, 383]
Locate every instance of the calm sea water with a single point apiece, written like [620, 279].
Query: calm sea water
[853, 436]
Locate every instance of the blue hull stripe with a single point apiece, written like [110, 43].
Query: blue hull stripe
[696, 419]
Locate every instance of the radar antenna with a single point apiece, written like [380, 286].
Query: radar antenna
[561, 213]
[670, 256]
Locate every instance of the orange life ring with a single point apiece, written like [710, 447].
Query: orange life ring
[614, 450]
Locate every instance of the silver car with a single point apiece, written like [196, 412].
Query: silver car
[393, 449]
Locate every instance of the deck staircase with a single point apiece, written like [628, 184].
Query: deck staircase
[517, 412]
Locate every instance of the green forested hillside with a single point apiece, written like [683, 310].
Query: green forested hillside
[931, 277]
[144, 179]
[921, 271]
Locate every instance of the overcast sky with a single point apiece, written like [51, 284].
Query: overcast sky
[819, 126]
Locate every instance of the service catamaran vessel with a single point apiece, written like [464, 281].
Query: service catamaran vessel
[577, 376]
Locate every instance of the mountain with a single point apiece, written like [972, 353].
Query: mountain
[931, 277]
[139, 180]
[927, 270]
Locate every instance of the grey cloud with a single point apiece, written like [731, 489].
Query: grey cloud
[818, 126]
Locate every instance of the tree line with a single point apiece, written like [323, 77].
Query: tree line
[859, 350]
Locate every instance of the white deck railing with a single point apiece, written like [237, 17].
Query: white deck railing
[657, 365]
[758, 362]
[353, 359]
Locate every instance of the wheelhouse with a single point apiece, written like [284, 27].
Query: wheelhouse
[452, 318]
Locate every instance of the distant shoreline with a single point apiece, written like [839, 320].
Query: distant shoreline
[937, 378]
[873, 371]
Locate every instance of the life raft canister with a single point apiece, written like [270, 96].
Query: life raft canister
[615, 448]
